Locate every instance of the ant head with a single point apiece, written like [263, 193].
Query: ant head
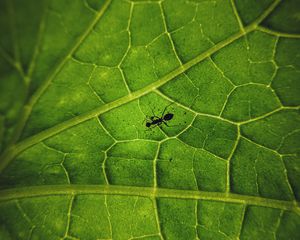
[148, 124]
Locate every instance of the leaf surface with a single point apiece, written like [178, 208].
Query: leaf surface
[79, 79]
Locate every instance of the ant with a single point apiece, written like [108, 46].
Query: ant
[156, 121]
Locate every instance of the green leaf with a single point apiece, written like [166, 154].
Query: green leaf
[78, 80]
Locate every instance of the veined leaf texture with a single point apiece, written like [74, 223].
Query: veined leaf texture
[80, 79]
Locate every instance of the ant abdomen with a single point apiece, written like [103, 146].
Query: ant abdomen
[168, 116]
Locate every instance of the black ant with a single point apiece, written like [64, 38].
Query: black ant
[156, 121]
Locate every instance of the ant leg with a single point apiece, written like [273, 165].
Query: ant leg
[153, 126]
[153, 118]
[166, 109]
[153, 114]
[146, 118]
[166, 124]
[172, 125]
